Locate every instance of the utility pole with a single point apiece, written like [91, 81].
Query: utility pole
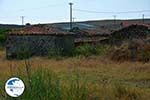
[22, 19]
[70, 15]
[114, 19]
[73, 19]
[143, 17]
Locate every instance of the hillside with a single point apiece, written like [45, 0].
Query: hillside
[87, 24]
[9, 26]
[102, 24]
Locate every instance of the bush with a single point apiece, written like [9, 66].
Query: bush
[2, 38]
[88, 50]
[131, 52]
[144, 53]
[44, 85]
[52, 53]
[77, 89]
[119, 53]
[84, 50]
[23, 55]
[3, 35]
[23, 52]
[56, 53]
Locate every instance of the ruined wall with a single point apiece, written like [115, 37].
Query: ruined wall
[38, 45]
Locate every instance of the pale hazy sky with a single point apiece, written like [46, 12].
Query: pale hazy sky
[49, 11]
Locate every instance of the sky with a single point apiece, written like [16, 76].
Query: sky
[50, 11]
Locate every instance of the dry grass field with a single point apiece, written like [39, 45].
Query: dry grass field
[105, 80]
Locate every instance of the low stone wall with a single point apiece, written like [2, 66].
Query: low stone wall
[38, 45]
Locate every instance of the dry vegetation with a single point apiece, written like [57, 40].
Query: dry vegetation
[104, 79]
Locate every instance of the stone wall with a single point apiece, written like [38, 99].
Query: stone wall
[38, 45]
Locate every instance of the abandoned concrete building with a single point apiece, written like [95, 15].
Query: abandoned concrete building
[39, 41]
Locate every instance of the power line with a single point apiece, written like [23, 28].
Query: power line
[89, 11]
[42, 7]
[37, 8]
[146, 15]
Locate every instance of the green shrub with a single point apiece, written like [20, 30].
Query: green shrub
[88, 50]
[55, 53]
[83, 50]
[77, 88]
[23, 53]
[2, 38]
[45, 85]
[3, 35]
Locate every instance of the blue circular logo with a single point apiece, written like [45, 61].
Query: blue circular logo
[14, 87]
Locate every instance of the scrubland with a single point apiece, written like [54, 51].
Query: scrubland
[77, 78]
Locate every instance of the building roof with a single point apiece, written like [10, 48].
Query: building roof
[39, 30]
[98, 32]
